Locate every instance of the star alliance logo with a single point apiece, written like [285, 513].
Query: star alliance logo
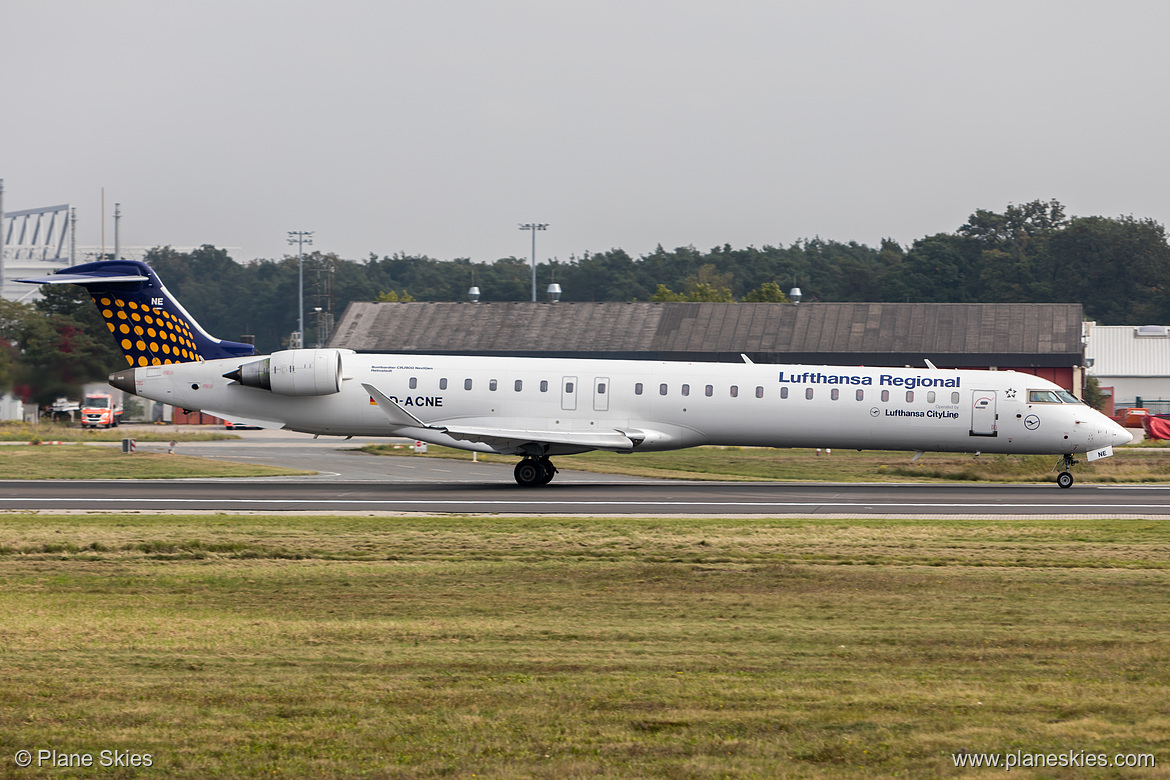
[1011, 392]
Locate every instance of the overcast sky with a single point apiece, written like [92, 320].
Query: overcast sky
[436, 127]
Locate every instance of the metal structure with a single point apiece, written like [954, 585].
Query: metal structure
[300, 238]
[33, 242]
[533, 227]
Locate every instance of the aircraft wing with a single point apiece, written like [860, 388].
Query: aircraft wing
[597, 440]
[399, 417]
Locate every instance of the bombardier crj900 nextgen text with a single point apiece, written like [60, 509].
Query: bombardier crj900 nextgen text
[537, 408]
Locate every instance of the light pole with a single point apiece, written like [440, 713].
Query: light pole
[300, 238]
[534, 226]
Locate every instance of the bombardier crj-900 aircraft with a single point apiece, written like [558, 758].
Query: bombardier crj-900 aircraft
[538, 408]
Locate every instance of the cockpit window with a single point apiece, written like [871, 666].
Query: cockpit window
[1052, 397]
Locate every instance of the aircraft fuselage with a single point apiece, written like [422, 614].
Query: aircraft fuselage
[658, 405]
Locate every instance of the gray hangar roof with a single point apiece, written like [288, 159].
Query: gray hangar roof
[950, 334]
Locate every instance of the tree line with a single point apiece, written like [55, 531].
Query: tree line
[1117, 267]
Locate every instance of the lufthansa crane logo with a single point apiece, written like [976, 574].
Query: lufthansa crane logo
[1031, 422]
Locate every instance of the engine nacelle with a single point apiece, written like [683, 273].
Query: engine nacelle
[294, 372]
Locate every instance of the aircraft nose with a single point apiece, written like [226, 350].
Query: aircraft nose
[1119, 435]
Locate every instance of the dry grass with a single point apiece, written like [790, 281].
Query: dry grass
[45, 431]
[80, 461]
[531, 647]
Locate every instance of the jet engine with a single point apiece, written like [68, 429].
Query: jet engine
[294, 372]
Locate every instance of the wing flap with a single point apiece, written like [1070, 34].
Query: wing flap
[598, 440]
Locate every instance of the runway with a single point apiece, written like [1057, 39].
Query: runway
[352, 482]
[592, 497]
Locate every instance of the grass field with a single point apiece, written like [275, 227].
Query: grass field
[1130, 464]
[302, 646]
[80, 461]
[45, 431]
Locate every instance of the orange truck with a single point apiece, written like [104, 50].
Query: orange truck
[1131, 417]
[100, 411]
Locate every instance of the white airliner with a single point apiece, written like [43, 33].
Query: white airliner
[537, 408]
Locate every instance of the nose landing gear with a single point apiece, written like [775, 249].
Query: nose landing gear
[533, 472]
[1065, 479]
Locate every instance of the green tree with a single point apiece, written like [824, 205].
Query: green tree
[12, 322]
[1118, 268]
[1092, 394]
[768, 292]
[664, 294]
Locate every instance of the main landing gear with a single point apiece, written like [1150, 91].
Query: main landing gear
[533, 472]
[1065, 479]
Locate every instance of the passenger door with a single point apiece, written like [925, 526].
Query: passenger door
[983, 413]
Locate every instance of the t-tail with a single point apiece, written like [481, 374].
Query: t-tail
[151, 327]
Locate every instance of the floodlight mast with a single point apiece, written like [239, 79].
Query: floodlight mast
[533, 227]
[300, 238]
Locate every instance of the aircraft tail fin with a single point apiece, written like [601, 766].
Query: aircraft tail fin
[151, 327]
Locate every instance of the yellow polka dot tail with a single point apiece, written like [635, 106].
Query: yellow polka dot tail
[148, 323]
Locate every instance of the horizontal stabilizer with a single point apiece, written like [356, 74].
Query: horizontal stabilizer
[399, 417]
[84, 279]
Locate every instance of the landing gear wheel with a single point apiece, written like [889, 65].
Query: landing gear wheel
[1064, 479]
[531, 472]
[550, 470]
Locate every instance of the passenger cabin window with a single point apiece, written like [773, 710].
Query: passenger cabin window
[544, 385]
[885, 395]
[783, 392]
[1043, 397]
[930, 397]
[466, 384]
[637, 388]
[443, 383]
[954, 398]
[492, 385]
[662, 389]
[808, 393]
[759, 391]
[909, 396]
[835, 394]
[709, 391]
[686, 390]
[519, 385]
[860, 394]
[735, 391]
[413, 382]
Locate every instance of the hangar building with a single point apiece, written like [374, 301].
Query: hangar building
[1041, 339]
